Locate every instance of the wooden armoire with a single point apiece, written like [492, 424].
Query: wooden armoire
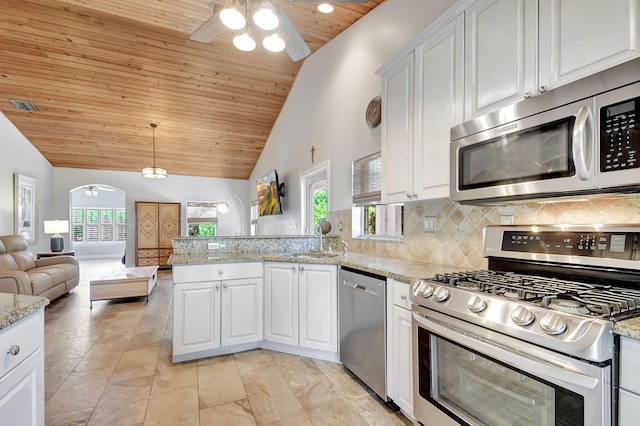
[157, 223]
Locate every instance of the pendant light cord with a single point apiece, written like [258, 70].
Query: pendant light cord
[153, 129]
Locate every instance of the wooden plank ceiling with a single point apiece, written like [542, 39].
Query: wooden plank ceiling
[101, 71]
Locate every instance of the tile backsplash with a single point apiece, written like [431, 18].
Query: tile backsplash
[458, 236]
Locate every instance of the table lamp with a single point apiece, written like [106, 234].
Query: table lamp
[55, 227]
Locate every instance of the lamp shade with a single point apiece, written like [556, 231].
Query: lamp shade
[56, 226]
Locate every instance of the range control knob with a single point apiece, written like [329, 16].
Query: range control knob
[552, 324]
[522, 316]
[476, 304]
[422, 289]
[441, 294]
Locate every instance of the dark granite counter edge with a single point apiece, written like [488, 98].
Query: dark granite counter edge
[14, 307]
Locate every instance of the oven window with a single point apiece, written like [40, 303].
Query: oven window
[542, 152]
[478, 390]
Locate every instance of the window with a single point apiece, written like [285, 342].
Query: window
[314, 187]
[96, 225]
[202, 218]
[378, 221]
[254, 217]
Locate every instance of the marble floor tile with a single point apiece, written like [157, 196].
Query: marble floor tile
[137, 363]
[299, 420]
[74, 418]
[80, 391]
[173, 408]
[105, 355]
[123, 403]
[254, 361]
[340, 413]
[170, 377]
[270, 397]
[55, 374]
[237, 413]
[219, 383]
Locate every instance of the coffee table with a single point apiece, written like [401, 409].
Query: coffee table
[124, 282]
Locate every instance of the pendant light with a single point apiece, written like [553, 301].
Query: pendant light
[265, 16]
[154, 172]
[232, 16]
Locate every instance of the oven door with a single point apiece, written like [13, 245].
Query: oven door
[473, 376]
[547, 153]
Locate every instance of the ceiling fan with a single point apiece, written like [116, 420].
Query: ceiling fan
[284, 35]
[92, 190]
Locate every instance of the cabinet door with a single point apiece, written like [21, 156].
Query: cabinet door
[196, 317]
[629, 408]
[439, 106]
[500, 53]
[22, 393]
[397, 132]
[281, 303]
[241, 311]
[402, 360]
[318, 287]
[169, 223]
[147, 225]
[582, 37]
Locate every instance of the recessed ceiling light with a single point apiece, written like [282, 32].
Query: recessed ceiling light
[325, 8]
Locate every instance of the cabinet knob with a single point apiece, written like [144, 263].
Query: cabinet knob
[408, 195]
[301, 268]
[220, 272]
[414, 195]
[224, 285]
[527, 95]
[217, 286]
[403, 297]
[543, 88]
[14, 350]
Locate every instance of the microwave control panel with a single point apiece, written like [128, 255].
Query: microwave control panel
[619, 136]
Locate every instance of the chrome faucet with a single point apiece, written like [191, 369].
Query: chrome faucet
[345, 248]
[319, 228]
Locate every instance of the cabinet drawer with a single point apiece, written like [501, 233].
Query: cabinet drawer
[216, 271]
[27, 334]
[147, 261]
[630, 364]
[401, 294]
[147, 253]
[165, 252]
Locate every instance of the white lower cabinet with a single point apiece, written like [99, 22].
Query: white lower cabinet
[216, 306]
[629, 391]
[399, 346]
[301, 305]
[22, 372]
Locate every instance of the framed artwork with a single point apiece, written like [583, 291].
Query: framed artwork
[25, 207]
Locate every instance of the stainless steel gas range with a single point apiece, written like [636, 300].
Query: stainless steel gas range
[530, 340]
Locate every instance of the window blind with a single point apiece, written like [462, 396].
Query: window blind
[367, 180]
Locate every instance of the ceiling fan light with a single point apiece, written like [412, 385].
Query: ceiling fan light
[265, 18]
[244, 42]
[232, 16]
[325, 8]
[274, 43]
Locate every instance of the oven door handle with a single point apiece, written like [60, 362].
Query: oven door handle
[512, 352]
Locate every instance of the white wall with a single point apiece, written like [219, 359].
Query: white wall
[326, 106]
[19, 156]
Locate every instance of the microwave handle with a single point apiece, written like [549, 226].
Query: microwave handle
[582, 142]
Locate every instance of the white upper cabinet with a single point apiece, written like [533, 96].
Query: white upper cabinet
[516, 49]
[424, 98]
[500, 53]
[397, 133]
[582, 37]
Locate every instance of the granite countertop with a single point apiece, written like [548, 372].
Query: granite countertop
[13, 307]
[400, 269]
[628, 328]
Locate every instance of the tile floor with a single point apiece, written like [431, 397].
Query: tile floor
[111, 365]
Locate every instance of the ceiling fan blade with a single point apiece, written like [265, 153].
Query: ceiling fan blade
[209, 30]
[330, 1]
[296, 47]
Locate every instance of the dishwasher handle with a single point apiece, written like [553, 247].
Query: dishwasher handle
[360, 287]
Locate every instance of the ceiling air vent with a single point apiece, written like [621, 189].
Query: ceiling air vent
[24, 106]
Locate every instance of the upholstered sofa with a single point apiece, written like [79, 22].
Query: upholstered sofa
[20, 273]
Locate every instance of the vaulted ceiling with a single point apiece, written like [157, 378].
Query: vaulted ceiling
[101, 71]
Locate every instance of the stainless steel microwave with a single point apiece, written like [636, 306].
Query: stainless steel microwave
[582, 138]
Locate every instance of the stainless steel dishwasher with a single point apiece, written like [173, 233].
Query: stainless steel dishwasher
[362, 327]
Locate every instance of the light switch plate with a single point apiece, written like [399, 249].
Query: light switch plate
[213, 246]
[429, 224]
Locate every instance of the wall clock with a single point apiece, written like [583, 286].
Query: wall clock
[374, 112]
